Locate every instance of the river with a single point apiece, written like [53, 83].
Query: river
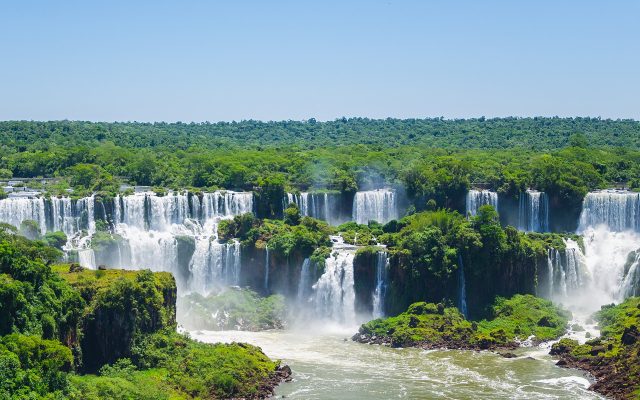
[326, 366]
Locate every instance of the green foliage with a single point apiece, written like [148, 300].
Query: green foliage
[232, 309]
[422, 323]
[428, 248]
[33, 300]
[284, 239]
[55, 239]
[167, 365]
[360, 235]
[205, 371]
[292, 215]
[5, 173]
[525, 315]
[434, 325]
[240, 227]
[31, 367]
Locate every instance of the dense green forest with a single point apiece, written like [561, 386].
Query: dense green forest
[499, 133]
[432, 159]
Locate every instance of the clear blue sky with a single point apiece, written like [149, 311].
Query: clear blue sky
[273, 60]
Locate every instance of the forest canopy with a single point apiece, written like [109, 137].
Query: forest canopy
[565, 156]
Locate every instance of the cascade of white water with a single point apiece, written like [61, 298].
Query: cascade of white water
[334, 293]
[378, 297]
[631, 283]
[86, 205]
[478, 198]
[63, 218]
[324, 206]
[233, 263]
[303, 283]
[533, 212]
[609, 225]
[618, 210]
[226, 204]
[375, 205]
[300, 200]
[462, 288]
[15, 211]
[86, 258]
[567, 272]
[153, 228]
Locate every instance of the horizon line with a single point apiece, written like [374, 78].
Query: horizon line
[313, 119]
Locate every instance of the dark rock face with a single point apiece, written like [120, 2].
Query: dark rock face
[630, 335]
[267, 389]
[364, 276]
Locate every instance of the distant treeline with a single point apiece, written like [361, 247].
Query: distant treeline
[432, 159]
[479, 133]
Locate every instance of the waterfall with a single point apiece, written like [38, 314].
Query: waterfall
[462, 288]
[631, 283]
[86, 206]
[608, 224]
[63, 218]
[324, 206]
[147, 231]
[378, 297]
[226, 204]
[301, 200]
[567, 272]
[266, 270]
[87, 258]
[233, 263]
[334, 291]
[15, 211]
[305, 279]
[479, 198]
[533, 212]
[375, 205]
[618, 210]
[152, 228]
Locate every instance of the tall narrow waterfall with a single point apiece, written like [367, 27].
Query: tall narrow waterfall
[631, 284]
[479, 198]
[462, 288]
[375, 205]
[304, 282]
[334, 292]
[266, 270]
[533, 212]
[378, 298]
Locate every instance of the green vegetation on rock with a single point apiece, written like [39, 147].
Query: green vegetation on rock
[614, 357]
[431, 325]
[61, 325]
